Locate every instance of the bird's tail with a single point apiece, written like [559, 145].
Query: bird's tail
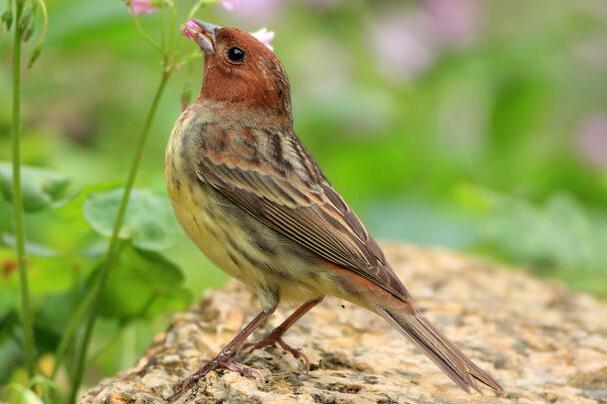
[440, 350]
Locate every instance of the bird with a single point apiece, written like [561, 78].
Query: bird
[254, 200]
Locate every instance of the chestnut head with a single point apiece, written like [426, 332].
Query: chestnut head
[240, 69]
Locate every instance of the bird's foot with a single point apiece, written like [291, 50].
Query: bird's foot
[276, 340]
[223, 361]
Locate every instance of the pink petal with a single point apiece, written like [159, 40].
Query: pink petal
[190, 29]
[138, 7]
[229, 5]
[592, 141]
[265, 37]
[259, 12]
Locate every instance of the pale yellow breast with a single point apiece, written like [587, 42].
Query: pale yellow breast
[190, 202]
[224, 238]
[193, 200]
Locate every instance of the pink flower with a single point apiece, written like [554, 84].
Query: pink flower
[264, 36]
[455, 22]
[408, 41]
[190, 29]
[592, 141]
[260, 12]
[138, 7]
[323, 3]
[402, 45]
[229, 5]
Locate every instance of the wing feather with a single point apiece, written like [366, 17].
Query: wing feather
[285, 189]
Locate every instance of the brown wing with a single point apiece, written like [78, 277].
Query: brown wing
[272, 177]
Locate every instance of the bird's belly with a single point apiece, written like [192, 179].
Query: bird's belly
[192, 207]
[242, 246]
[235, 241]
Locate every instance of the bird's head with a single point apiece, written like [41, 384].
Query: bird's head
[239, 69]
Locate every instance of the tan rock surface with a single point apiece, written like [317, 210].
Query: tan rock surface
[541, 341]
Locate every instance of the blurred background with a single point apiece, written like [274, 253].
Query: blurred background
[471, 124]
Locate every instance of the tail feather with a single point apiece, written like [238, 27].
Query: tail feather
[440, 350]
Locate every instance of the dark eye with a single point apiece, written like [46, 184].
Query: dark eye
[236, 54]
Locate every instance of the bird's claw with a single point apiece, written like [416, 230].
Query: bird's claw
[244, 370]
[271, 341]
[221, 362]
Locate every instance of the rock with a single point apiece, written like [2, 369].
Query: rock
[543, 342]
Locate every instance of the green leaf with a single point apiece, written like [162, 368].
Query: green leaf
[560, 238]
[71, 209]
[476, 199]
[18, 394]
[124, 344]
[9, 295]
[143, 284]
[41, 188]
[7, 19]
[30, 248]
[149, 223]
[11, 357]
[46, 275]
[48, 388]
[51, 314]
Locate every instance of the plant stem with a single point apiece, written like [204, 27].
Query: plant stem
[70, 330]
[112, 251]
[26, 311]
[145, 35]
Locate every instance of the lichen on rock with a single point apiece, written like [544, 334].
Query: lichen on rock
[542, 342]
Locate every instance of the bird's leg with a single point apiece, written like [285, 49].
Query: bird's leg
[275, 337]
[225, 358]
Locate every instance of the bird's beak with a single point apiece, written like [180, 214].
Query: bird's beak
[204, 33]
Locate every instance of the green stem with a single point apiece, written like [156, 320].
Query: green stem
[26, 311]
[172, 25]
[145, 35]
[35, 53]
[70, 330]
[114, 240]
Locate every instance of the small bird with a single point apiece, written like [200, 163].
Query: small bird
[253, 199]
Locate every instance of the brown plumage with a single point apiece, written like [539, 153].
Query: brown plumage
[252, 198]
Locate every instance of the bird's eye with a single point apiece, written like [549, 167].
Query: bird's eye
[236, 54]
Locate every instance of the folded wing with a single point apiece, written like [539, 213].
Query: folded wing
[271, 176]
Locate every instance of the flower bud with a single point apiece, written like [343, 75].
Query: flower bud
[27, 23]
[34, 56]
[7, 19]
[138, 7]
[27, 33]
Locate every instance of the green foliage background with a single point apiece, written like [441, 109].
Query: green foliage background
[482, 149]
